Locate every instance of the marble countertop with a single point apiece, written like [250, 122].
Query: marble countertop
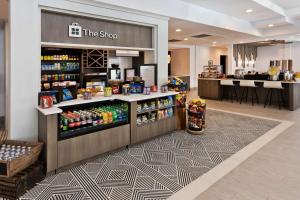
[179, 75]
[129, 98]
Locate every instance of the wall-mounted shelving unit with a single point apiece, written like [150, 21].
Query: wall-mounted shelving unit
[58, 65]
[94, 62]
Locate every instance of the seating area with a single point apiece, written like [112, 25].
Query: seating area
[242, 90]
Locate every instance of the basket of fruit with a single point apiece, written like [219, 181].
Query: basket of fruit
[297, 76]
[196, 110]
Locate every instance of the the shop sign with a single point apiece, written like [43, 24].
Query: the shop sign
[74, 29]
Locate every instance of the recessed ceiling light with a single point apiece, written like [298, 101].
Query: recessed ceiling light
[249, 11]
[213, 45]
[271, 25]
[178, 30]
[241, 42]
[214, 42]
[186, 39]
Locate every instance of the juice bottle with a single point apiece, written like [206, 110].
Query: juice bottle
[105, 118]
[110, 117]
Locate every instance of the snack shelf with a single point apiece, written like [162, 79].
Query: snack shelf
[153, 121]
[58, 61]
[51, 81]
[43, 72]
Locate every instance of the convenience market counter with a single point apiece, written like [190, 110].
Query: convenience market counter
[80, 129]
[210, 88]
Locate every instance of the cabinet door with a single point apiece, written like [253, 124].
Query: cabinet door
[82, 147]
[209, 89]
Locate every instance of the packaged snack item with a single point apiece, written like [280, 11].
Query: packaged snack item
[153, 116]
[67, 95]
[139, 107]
[145, 106]
[139, 120]
[144, 119]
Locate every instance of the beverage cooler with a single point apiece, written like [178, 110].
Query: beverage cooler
[77, 120]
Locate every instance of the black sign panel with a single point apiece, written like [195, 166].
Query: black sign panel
[71, 29]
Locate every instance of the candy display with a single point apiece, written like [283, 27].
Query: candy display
[176, 84]
[196, 116]
[181, 99]
[97, 116]
[11, 152]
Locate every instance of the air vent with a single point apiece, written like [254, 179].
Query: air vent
[174, 40]
[201, 36]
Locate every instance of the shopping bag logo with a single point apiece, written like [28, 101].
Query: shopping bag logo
[75, 30]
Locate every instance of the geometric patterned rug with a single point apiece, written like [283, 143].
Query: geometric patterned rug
[155, 169]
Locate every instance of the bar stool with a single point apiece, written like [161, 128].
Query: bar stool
[232, 93]
[274, 86]
[248, 84]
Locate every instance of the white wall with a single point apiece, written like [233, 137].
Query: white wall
[2, 71]
[24, 83]
[180, 62]
[278, 52]
[25, 50]
[124, 63]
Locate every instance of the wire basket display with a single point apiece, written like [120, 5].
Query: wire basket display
[196, 111]
[3, 136]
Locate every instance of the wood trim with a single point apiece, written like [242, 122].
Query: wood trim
[47, 127]
[133, 118]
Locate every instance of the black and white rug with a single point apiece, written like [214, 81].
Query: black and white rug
[158, 168]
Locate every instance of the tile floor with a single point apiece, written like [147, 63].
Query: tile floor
[273, 172]
[158, 168]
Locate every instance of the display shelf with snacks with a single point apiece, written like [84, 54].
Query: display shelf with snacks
[59, 65]
[81, 131]
[153, 117]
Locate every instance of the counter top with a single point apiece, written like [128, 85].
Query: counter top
[218, 79]
[129, 98]
[49, 111]
[140, 97]
[179, 75]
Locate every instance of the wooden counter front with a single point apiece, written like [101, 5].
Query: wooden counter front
[211, 89]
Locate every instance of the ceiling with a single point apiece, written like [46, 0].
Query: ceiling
[189, 29]
[3, 9]
[236, 8]
[283, 14]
